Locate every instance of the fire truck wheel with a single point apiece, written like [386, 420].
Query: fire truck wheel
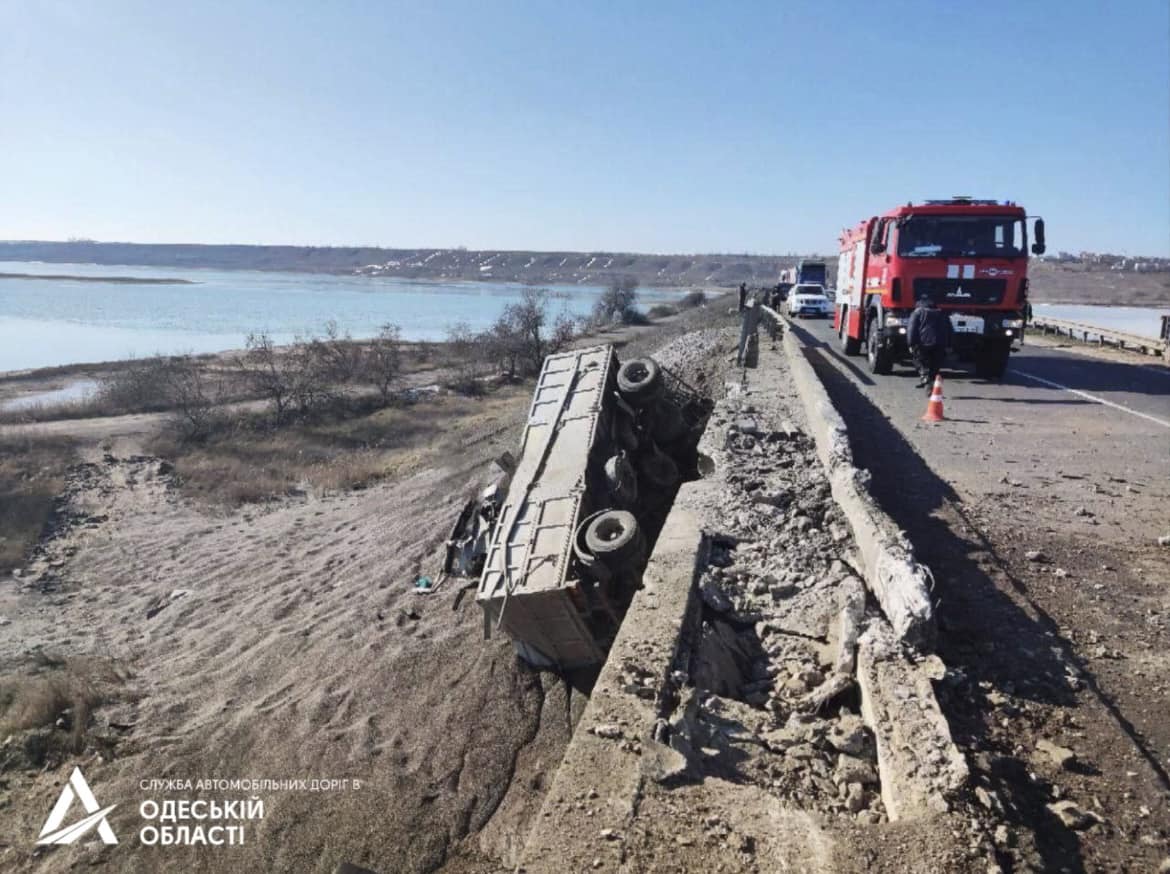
[880, 359]
[640, 381]
[849, 345]
[992, 359]
[614, 537]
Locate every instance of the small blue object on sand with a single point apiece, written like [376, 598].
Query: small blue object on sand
[423, 584]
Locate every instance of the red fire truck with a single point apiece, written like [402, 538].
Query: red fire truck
[969, 256]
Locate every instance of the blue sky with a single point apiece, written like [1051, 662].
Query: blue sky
[669, 127]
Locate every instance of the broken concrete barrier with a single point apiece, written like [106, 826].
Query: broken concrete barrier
[899, 583]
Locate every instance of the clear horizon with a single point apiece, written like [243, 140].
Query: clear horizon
[532, 127]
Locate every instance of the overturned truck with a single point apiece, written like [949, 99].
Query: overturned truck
[603, 452]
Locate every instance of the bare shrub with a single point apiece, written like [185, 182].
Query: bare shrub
[32, 474]
[295, 379]
[338, 357]
[468, 350]
[310, 368]
[424, 351]
[384, 360]
[59, 694]
[268, 374]
[618, 303]
[192, 396]
[522, 337]
[661, 311]
[137, 387]
[565, 329]
[696, 298]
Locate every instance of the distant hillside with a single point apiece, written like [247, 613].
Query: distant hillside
[585, 268]
[1084, 279]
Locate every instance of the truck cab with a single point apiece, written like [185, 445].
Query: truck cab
[969, 256]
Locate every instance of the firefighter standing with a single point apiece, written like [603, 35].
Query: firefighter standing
[742, 295]
[928, 335]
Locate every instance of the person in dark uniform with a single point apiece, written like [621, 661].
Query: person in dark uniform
[928, 336]
[742, 295]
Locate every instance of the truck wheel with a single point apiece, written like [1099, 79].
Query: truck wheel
[849, 345]
[614, 538]
[640, 381]
[621, 479]
[881, 360]
[992, 359]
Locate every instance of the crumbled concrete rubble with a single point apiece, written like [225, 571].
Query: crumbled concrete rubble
[770, 695]
[690, 356]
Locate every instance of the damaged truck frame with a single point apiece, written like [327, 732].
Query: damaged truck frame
[603, 451]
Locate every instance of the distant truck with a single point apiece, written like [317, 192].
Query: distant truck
[969, 256]
[605, 447]
[807, 272]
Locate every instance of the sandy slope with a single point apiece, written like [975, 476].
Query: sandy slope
[286, 642]
[284, 648]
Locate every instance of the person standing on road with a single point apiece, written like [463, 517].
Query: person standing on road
[929, 336]
[753, 309]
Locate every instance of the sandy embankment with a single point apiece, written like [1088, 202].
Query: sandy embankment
[285, 642]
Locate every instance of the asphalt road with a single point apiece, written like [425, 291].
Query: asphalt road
[1069, 422]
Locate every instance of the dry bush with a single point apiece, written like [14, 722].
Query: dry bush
[468, 351]
[194, 398]
[256, 463]
[693, 299]
[32, 474]
[383, 361]
[619, 303]
[338, 357]
[292, 380]
[522, 336]
[59, 694]
[140, 386]
[661, 311]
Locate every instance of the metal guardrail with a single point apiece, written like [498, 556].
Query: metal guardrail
[1101, 336]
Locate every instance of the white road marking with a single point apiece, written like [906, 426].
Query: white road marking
[1092, 398]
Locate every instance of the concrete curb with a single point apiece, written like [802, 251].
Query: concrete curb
[900, 584]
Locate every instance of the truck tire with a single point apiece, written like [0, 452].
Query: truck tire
[640, 381]
[621, 480]
[849, 345]
[614, 538]
[881, 360]
[992, 359]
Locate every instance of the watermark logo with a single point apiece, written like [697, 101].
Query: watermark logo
[77, 788]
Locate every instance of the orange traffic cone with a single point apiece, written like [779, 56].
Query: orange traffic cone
[934, 407]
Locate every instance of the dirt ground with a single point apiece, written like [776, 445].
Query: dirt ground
[281, 641]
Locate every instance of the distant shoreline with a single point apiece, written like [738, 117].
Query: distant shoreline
[135, 280]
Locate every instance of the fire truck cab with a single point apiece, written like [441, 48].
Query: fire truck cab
[969, 256]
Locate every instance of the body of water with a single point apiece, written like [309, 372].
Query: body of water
[49, 322]
[1145, 321]
[73, 392]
